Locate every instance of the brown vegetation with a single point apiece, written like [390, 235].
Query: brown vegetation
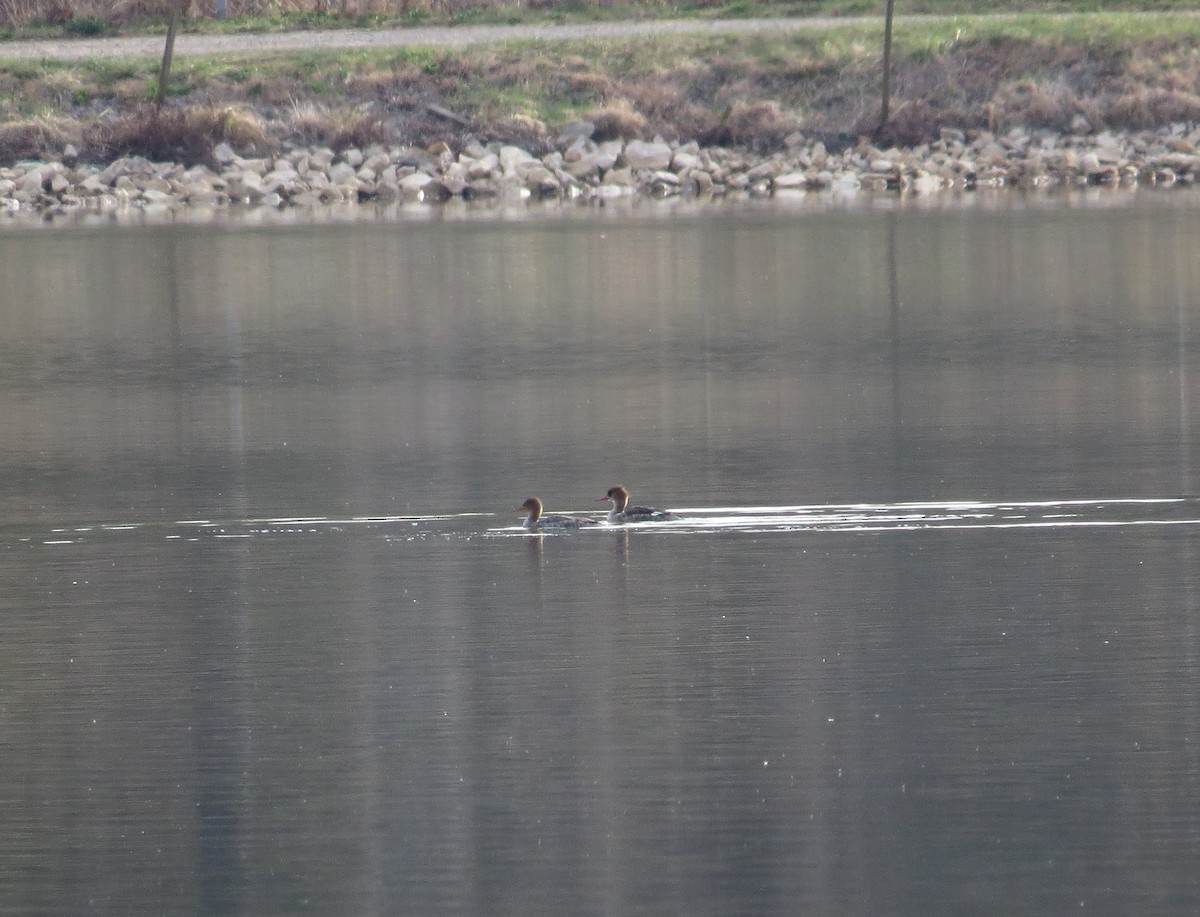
[33, 138]
[750, 93]
[168, 134]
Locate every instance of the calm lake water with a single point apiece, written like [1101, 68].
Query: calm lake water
[926, 640]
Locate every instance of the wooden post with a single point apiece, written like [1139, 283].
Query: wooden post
[164, 73]
[886, 88]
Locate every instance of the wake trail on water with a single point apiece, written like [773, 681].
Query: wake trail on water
[696, 520]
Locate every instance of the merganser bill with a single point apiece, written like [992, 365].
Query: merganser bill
[622, 512]
[554, 522]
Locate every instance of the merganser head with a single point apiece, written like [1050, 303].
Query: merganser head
[533, 506]
[619, 497]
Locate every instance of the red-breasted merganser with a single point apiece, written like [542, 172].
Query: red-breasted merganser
[622, 512]
[536, 522]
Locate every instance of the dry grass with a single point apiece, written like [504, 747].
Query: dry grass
[758, 125]
[362, 130]
[750, 92]
[186, 135]
[617, 119]
[35, 139]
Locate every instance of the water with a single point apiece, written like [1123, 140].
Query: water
[924, 641]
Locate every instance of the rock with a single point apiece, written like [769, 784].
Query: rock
[155, 196]
[701, 181]
[512, 156]
[91, 183]
[653, 155]
[790, 180]
[203, 196]
[608, 153]
[377, 162]
[31, 183]
[763, 171]
[482, 167]
[353, 157]
[580, 130]
[473, 149]
[456, 178]
[307, 199]
[415, 181]
[257, 166]
[543, 181]
[583, 169]
[623, 177]
[223, 154]
[481, 187]
[343, 173]
[682, 160]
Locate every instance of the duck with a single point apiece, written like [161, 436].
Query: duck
[535, 521]
[622, 512]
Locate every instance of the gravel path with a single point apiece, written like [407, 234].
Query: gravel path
[194, 45]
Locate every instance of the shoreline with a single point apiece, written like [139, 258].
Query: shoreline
[581, 170]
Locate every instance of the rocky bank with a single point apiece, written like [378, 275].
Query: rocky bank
[581, 168]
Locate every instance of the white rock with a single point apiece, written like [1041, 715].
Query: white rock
[511, 157]
[257, 166]
[608, 153]
[582, 169]
[623, 177]
[223, 154]
[572, 133]
[31, 183]
[306, 199]
[342, 173]
[578, 149]
[455, 178]
[610, 190]
[790, 180]
[203, 196]
[682, 160]
[416, 181]
[378, 162]
[653, 155]
[542, 180]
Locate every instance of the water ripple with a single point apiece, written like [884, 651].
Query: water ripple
[696, 520]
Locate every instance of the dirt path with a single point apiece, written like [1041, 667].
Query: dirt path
[151, 46]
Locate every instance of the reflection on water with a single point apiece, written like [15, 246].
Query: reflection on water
[859, 517]
[924, 638]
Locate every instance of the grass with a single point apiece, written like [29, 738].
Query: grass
[1113, 70]
[76, 18]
